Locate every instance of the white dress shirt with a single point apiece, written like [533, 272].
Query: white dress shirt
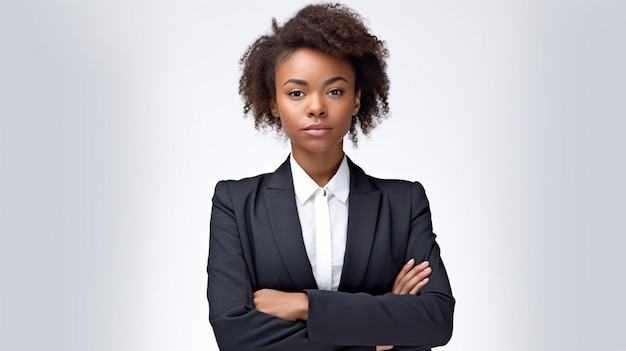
[336, 192]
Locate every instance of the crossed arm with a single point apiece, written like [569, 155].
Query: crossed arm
[244, 318]
[295, 305]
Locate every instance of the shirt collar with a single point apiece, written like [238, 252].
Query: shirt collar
[305, 187]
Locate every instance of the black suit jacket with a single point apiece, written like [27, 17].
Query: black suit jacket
[256, 242]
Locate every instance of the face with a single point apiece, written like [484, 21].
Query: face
[315, 101]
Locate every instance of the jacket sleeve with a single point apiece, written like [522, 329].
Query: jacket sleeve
[236, 324]
[407, 321]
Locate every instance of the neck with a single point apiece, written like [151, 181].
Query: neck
[321, 167]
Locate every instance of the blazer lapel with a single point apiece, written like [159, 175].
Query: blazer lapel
[280, 202]
[362, 218]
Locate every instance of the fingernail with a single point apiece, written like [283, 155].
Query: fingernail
[411, 261]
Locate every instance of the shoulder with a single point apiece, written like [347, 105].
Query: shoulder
[398, 191]
[399, 188]
[363, 182]
[394, 184]
[388, 185]
[251, 188]
[243, 185]
[402, 196]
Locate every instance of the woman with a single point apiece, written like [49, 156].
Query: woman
[318, 255]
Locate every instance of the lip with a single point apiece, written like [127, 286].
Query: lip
[317, 129]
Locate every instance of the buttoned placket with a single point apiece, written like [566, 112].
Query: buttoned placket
[323, 240]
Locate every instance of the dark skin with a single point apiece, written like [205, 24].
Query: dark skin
[295, 306]
[330, 28]
[315, 100]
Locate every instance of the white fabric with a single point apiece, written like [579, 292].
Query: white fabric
[323, 247]
[320, 254]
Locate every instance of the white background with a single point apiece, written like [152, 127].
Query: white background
[118, 118]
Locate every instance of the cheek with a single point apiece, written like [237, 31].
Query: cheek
[348, 124]
[348, 113]
[285, 107]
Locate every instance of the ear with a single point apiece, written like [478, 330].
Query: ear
[357, 102]
[274, 108]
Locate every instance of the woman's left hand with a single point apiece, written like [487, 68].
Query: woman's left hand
[284, 305]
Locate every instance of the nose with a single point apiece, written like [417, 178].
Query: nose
[317, 107]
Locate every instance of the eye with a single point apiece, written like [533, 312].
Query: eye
[296, 93]
[335, 92]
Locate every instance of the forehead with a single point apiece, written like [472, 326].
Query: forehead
[313, 65]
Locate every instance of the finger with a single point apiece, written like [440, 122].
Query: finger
[402, 286]
[405, 269]
[413, 278]
[423, 264]
[397, 284]
[255, 301]
[422, 273]
[420, 277]
[414, 271]
[408, 280]
[419, 286]
[260, 296]
[260, 291]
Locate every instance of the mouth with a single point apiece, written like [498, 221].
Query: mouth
[317, 129]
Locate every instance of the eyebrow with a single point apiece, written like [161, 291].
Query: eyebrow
[305, 83]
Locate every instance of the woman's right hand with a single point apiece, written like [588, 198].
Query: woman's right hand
[409, 281]
[411, 278]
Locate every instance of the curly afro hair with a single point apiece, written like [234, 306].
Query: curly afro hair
[330, 28]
